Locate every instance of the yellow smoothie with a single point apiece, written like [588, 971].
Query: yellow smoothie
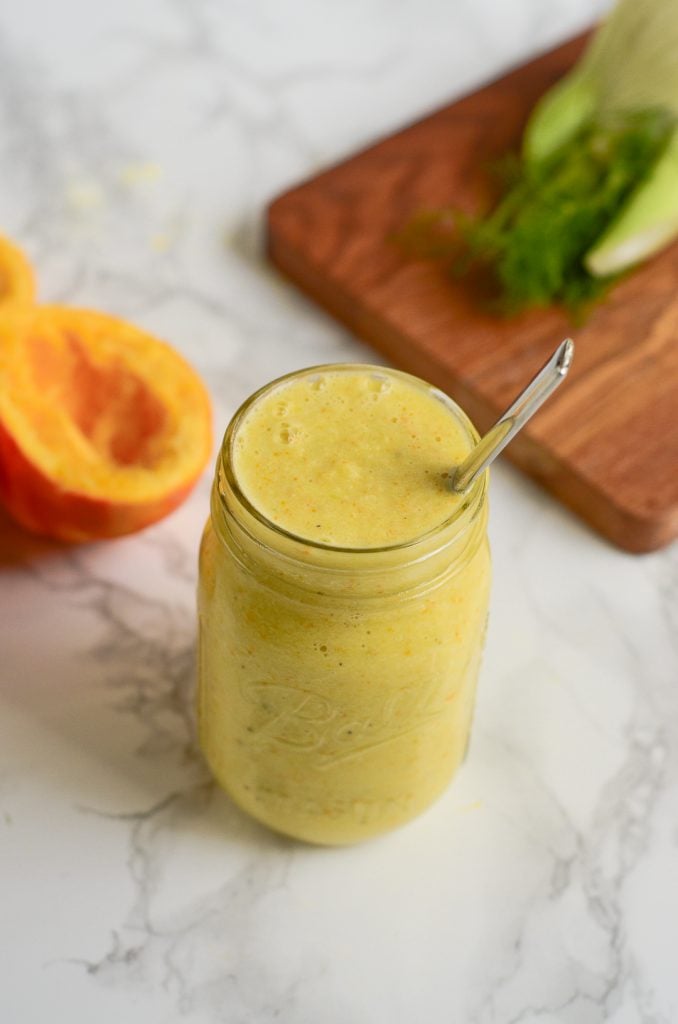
[354, 459]
[343, 598]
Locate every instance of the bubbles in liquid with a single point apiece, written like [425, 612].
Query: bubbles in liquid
[376, 386]
[289, 433]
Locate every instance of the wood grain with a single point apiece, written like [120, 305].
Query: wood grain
[607, 443]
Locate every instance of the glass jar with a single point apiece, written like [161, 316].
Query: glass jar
[336, 686]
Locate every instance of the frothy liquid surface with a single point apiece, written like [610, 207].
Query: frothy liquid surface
[353, 458]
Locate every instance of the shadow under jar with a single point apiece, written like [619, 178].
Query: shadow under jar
[337, 681]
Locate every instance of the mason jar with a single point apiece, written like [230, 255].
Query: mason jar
[336, 685]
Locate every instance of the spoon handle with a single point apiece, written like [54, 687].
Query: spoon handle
[526, 404]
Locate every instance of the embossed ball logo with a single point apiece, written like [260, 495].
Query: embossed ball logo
[294, 718]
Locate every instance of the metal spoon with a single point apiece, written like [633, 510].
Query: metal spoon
[516, 416]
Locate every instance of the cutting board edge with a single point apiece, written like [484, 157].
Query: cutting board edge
[626, 530]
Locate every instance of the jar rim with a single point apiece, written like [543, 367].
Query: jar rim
[471, 501]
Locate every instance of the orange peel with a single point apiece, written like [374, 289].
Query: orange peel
[17, 281]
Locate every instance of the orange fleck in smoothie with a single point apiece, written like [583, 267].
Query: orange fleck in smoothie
[343, 599]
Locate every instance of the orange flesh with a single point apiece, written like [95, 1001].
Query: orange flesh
[114, 409]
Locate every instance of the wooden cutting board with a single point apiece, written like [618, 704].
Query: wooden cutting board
[607, 443]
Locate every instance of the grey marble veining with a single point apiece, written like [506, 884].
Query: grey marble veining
[138, 146]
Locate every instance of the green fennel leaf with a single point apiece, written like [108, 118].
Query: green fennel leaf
[551, 213]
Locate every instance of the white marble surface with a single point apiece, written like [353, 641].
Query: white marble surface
[138, 144]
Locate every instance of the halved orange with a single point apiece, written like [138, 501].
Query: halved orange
[103, 427]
